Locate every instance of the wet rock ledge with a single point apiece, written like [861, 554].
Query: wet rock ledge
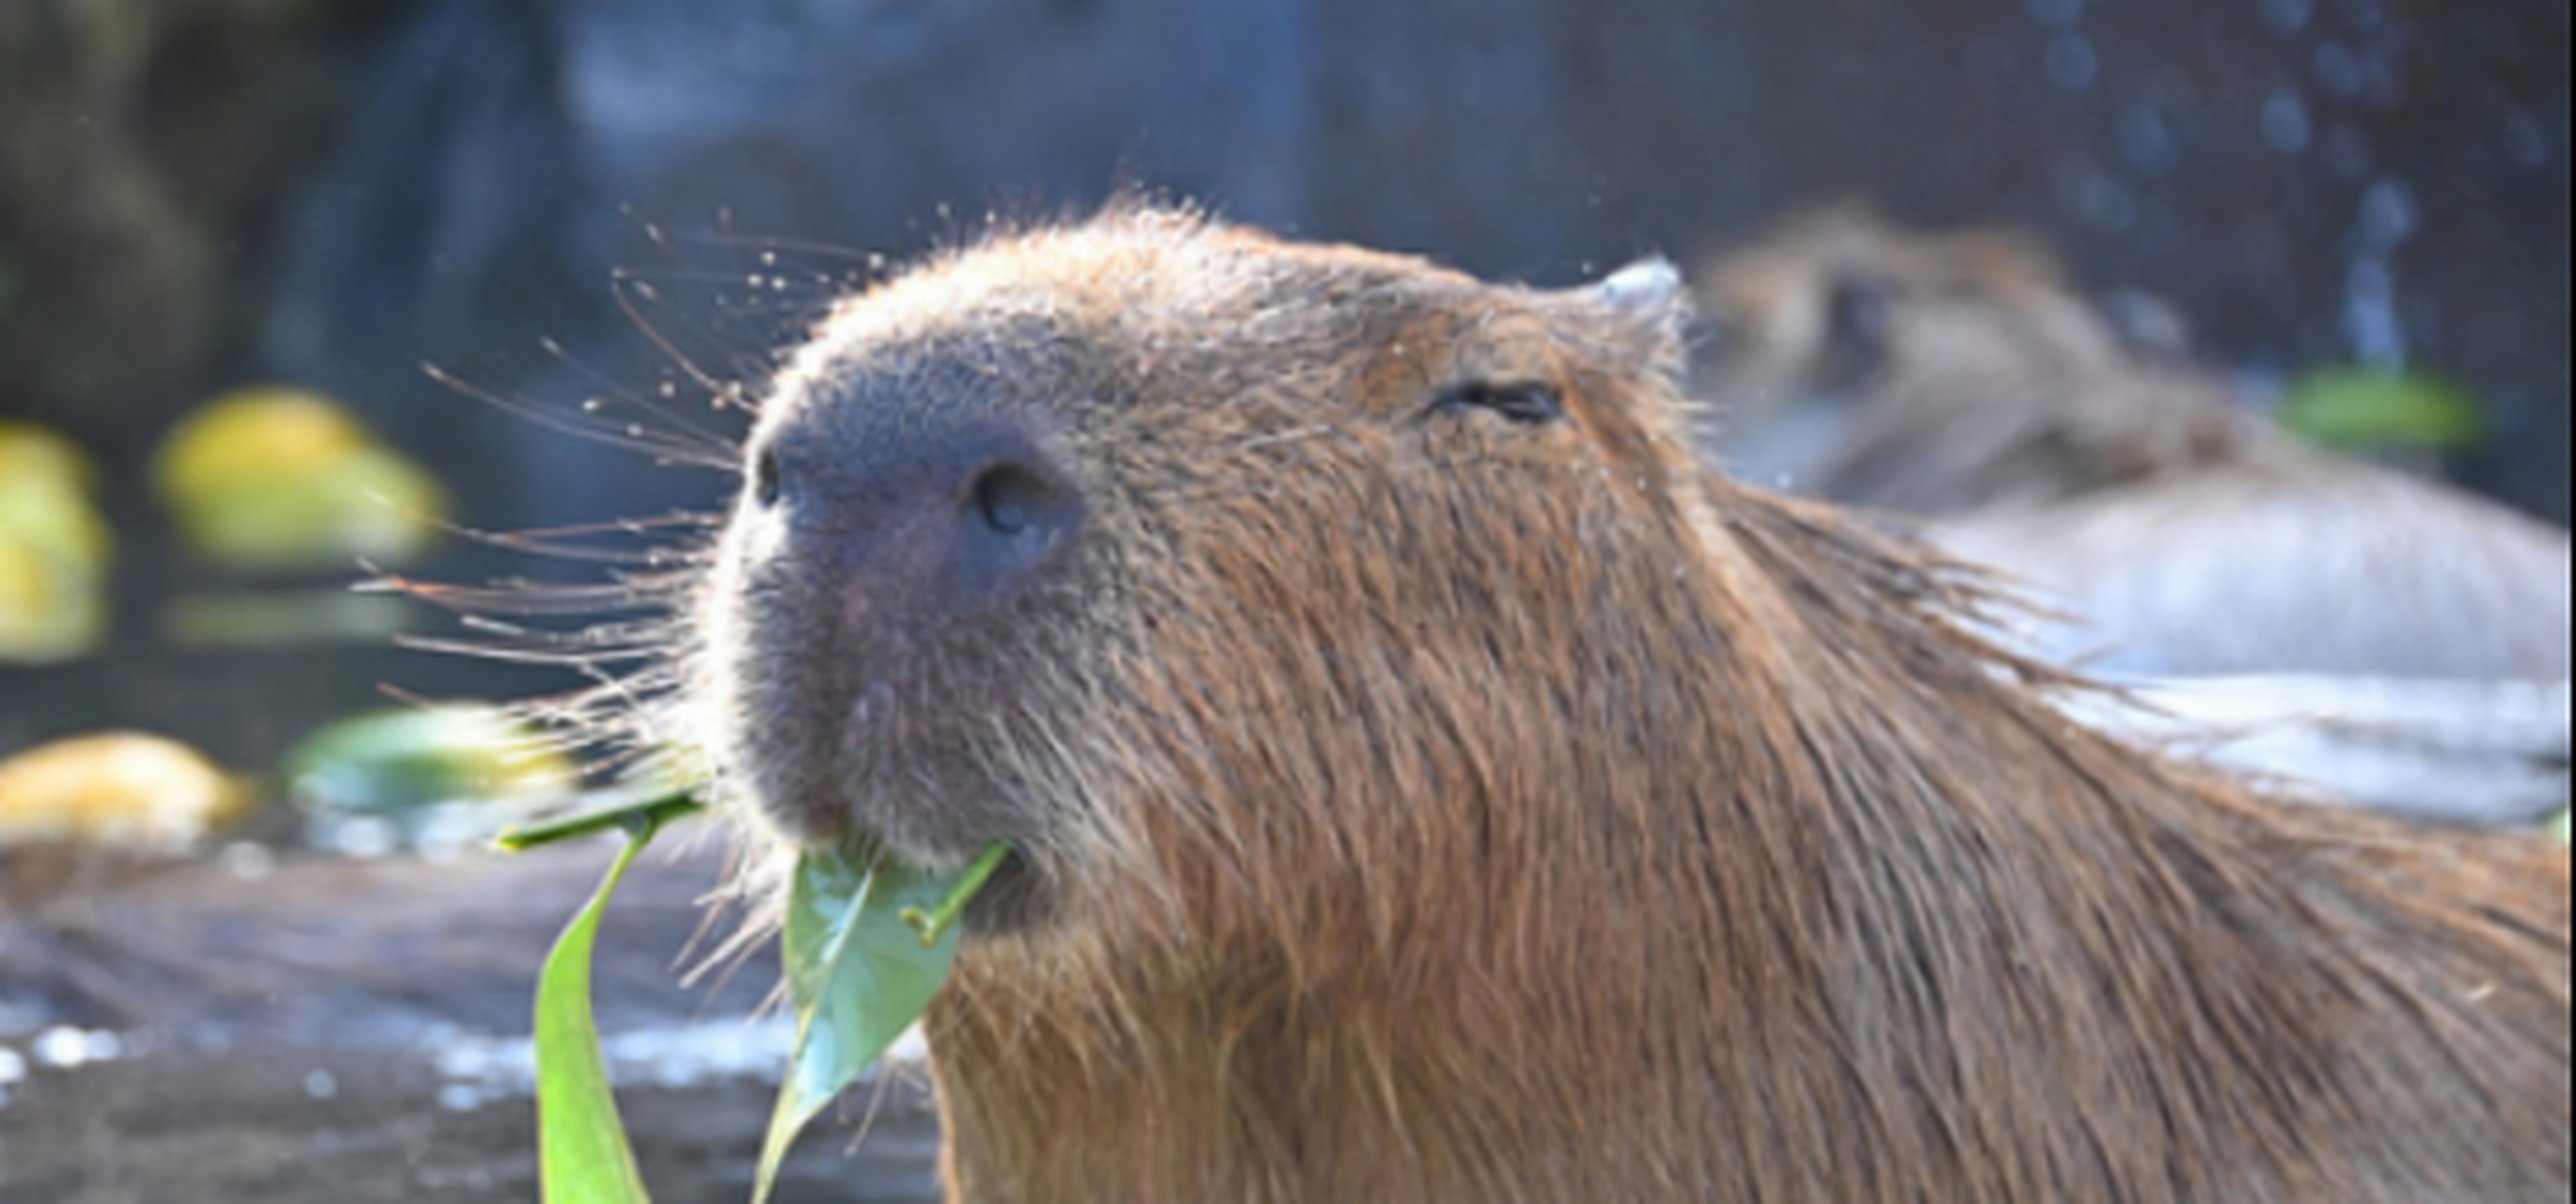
[345, 1032]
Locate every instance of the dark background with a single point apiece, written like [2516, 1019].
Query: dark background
[201, 193]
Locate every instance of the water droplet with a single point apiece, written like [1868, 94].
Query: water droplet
[2072, 63]
[2337, 71]
[2288, 16]
[2058, 14]
[321, 1085]
[365, 839]
[65, 1048]
[2370, 313]
[2389, 215]
[2146, 141]
[769, 259]
[2525, 142]
[2108, 205]
[2285, 123]
[248, 861]
[2348, 154]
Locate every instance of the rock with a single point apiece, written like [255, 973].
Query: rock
[311, 1033]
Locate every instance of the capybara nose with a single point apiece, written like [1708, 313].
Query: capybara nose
[936, 523]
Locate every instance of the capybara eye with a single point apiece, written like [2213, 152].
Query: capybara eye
[1523, 403]
[1858, 312]
[765, 478]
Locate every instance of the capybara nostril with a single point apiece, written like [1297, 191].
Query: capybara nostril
[1015, 514]
[1011, 500]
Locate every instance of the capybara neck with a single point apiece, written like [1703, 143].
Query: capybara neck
[1819, 906]
[1432, 786]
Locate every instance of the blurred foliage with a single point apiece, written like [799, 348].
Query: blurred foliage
[2559, 827]
[434, 778]
[54, 548]
[2368, 409]
[273, 621]
[120, 790]
[275, 478]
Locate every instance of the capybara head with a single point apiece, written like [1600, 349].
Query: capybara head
[1158, 550]
[1829, 301]
[1941, 373]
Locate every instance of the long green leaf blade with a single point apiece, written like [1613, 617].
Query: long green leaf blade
[859, 976]
[584, 1157]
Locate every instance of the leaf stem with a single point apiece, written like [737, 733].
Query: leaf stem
[651, 812]
[935, 923]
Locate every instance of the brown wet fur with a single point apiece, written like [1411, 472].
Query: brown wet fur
[1425, 808]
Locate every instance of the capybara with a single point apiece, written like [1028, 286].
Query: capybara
[1958, 376]
[1952, 372]
[1430, 783]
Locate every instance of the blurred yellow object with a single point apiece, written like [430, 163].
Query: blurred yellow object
[251, 433]
[33, 455]
[273, 477]
[118, 790]
[54, 548]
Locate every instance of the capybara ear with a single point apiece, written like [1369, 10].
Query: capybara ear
[1651, 307]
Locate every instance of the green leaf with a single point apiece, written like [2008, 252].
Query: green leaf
[858, 974]
[2362, 409]
[584, 1157]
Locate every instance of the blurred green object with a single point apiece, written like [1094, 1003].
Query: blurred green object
[2368, 409]
[2559, 827]
[278, 478]
[273, 620]
[435, 778]
[54, 548]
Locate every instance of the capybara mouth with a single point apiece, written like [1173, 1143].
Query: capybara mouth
[882, 631]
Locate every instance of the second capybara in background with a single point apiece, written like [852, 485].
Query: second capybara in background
[1959, 377]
